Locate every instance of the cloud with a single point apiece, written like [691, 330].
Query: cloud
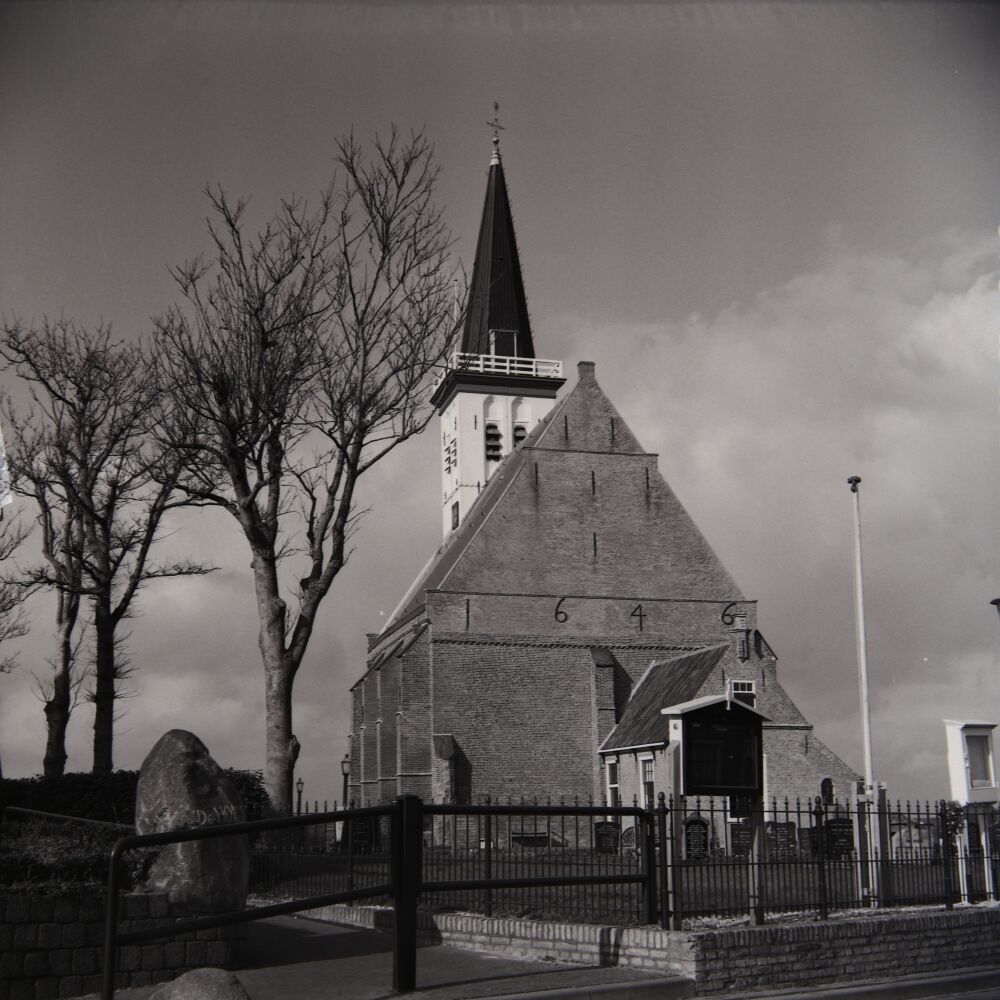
[876, 365]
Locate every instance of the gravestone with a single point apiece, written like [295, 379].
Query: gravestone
[696, 840]
[780, 839]
[839, 838]
[606, 836]
[740, 840]
[181, 787]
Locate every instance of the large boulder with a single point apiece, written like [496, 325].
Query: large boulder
[181, 787]
[203, 984]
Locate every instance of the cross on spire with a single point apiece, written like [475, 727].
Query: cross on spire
[494, 123]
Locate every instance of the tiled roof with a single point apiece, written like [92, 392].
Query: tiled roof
[665, 683]
[496, 295]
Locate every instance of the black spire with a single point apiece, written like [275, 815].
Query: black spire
[497, 304]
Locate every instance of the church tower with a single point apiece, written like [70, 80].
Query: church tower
[494, 390]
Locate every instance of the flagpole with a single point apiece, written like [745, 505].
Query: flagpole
[859, 619]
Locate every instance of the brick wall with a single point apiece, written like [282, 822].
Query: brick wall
[53, 946]
[774, 956]
[797, 762]
[521, 715]
[848, 950]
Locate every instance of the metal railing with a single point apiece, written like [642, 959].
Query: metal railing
[594, 862]
[284, 828]
[682, 859]
[817, 857]
[20, 812]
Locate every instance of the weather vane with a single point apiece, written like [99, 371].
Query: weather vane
[494, 123]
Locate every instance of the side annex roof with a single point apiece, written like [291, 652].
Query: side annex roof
[666, 682]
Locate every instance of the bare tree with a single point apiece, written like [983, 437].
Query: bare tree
[299, 359]
[13, 621]
[85, 454]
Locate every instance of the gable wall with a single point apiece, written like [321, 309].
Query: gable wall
[540, 536]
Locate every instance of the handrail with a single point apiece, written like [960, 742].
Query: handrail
[21, 810]
[497, 364]
[112, 939]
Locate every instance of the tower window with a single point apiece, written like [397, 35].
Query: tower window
[494, 443]
[520, 433]
[454, 515]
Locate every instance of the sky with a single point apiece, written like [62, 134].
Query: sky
[772, 226]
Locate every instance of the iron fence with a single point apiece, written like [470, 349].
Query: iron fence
[682, 859]
[566, 861]
[722, 857]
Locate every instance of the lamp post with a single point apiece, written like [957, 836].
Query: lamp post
[299, 785]
[345, 770]
[859, 596]
[996, 603]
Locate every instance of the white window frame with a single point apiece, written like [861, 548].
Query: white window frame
[612, 762]
[648, 802]
[744, 687]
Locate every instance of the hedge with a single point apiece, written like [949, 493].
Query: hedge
[110, 798]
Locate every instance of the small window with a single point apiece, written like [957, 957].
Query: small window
[826, 791]
[520, 433]
[648, 791]
[980, 772]
[744, 691]
[494, 443]
[454, 515]
[614, 794]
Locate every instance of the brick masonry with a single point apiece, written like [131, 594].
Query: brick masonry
[881, 946]
[52, 946]
[577, 542]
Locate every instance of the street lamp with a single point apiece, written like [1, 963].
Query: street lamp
[996, 603]
[299, 785]
[345, 770]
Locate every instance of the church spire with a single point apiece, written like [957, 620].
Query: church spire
[497, 319]
[493, 390]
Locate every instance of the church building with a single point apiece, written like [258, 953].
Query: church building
[572, 599]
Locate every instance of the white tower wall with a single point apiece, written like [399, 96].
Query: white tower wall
[465, 468]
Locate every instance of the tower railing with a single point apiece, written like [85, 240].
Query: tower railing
[494, 364]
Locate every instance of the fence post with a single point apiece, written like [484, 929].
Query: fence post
[885, 886]
[489, 859]
[820, 828]
[663, 857]
[863, 838]
[407, 869]
[649, 867]
[756, 860]
[111, 924]
[944, 827]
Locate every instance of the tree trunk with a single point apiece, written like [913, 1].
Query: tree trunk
[57, 710]
[279, 674]
[59, 703]
[279, 766]
[104, 687]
